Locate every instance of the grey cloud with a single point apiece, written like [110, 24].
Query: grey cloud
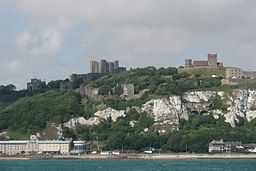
[149, 32]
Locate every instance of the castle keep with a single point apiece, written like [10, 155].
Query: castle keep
[212, 62]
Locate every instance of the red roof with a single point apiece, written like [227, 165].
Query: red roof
[200, 63]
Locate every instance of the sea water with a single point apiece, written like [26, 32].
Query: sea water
[128, 165]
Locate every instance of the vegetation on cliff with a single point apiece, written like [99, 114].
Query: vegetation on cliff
[162, 81]
[31, 114]
[194, 135]
[23, 113]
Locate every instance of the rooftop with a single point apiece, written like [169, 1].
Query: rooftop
[200, 63]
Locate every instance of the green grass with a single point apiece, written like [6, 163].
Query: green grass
[49, 133]
[207, 72]
[16, 135]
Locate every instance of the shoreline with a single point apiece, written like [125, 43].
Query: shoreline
[164, 156]
[198, 156]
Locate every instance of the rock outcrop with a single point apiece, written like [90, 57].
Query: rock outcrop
[109, 112]
[98, 117]
[241, 104]
[166, 111]
[198, 96]
[82, 121]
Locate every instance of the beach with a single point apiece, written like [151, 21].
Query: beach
[163, 156]
[197, 156]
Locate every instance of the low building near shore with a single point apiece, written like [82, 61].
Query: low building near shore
[13, 147]
[34, 146]
[250, 148]
[54, 147]
[79, 148]
[220, 146]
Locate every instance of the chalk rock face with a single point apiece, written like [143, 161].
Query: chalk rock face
[199, 96]
[4, 134]
[166, 111]
[240, 104]
[235, 109]
[109, 112]
[251, 105]
[82, 121]
[217, 113]
[98, 117]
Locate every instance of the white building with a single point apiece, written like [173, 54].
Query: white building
[13, 147]
[56, 147]
[221, 146]
[34, 146]
[234, 73]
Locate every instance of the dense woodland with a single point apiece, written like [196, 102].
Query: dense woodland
[24, 113]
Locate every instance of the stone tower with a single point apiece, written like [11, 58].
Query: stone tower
[212, 60]
[188, 63]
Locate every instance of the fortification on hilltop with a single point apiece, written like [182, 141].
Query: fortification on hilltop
[212, 62]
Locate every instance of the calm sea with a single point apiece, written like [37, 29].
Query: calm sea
[129, 165]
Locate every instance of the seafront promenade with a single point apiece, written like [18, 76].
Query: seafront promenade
[164, 156]
[198, 156]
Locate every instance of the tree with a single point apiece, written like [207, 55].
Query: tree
[104, 90]
[211, 82]
[217, 103]
[119, 90]
[176, 76]
[171, 71]
[30, 114]
[7, 89]
[54, 84]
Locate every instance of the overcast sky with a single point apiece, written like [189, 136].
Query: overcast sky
[51, 39]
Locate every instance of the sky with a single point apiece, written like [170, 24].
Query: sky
[51, 39]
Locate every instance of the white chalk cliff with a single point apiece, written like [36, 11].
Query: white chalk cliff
[241, 104]
[166, 111]
[96, 119]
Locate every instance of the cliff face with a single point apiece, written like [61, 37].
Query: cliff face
[98, 117]
[241, 104]
[166, 111]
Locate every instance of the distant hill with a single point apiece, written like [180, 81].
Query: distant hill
[23, 114]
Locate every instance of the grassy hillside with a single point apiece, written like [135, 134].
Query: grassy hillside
[30, 114]
[159, 82]
[206, 72]
[142, 78]
[23, 114]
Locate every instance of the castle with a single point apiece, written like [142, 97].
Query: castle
[96, 70]
[106, 67]
[212, 62]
